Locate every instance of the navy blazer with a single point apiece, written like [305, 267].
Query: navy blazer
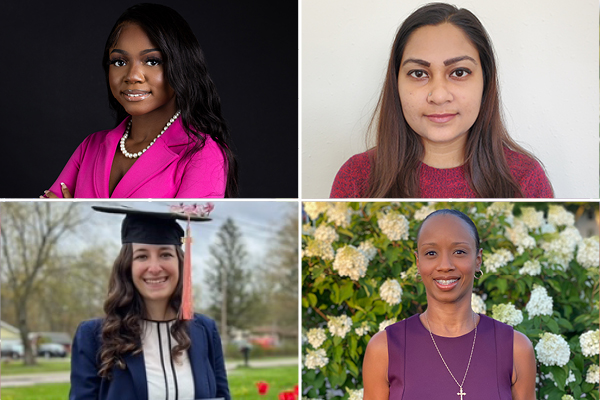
[205, 354]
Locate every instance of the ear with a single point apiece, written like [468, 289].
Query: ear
[479, 259]
[416, 258]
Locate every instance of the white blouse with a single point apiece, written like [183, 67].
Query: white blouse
[167, 379]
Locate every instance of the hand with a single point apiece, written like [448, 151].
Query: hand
[65, 192]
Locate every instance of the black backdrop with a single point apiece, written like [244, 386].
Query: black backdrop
[54, 94]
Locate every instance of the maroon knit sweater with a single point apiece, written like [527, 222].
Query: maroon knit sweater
[352, 180]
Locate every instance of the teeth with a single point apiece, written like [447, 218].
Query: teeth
[448, 282]
[151, 281]
[137, 95]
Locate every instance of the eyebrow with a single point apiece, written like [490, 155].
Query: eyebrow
[434, 243]
[447, 62]
[141, 52]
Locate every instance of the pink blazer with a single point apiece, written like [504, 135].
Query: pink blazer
[156, 174]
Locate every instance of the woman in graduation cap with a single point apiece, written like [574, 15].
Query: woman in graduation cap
[148, 346]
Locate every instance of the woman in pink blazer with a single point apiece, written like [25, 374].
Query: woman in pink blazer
[171, 140]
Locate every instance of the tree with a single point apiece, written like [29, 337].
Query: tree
[229, 281]
[30, 233]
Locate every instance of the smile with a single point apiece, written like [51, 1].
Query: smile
[156, 281]
[446, 284]
[441, 118]
[135, 95]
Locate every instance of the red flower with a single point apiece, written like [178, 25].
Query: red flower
[288, 395]
[263, 387]
[296, 390]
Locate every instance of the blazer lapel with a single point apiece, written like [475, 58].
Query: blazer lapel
[137, 369]
[199, 347]
[104, 159]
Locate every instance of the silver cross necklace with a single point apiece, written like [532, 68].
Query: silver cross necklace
[461, 392]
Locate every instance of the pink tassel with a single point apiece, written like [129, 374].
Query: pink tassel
[187, 312]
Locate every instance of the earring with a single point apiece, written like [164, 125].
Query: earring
[480, 272]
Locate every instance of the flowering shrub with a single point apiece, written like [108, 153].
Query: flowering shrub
[359, 276]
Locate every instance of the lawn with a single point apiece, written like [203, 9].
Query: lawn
[241, 383]
[16, 367]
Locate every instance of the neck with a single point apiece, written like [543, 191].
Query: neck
[449, 320]
[445, 155]
[159, 311]
[145, 127]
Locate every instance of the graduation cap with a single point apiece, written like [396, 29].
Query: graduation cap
[152, 227]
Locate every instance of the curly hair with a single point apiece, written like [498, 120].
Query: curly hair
[186, 72]
[125, 309]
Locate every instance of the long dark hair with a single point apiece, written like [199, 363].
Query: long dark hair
[125, 309]
[396, 161]
[186, 72]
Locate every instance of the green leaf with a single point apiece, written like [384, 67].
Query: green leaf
[335, 293]
[312, 299]
[352, 368]
[565, 324]
[553, 325]
[318, 382]
[346, 291]
[560, 375]
[337, 353]
[502, 285]
[305, 302]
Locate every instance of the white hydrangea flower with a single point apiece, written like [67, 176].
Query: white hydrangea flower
[315, 208]
[531, 218]
[315, 359]
[477, 304]
[539, 303]
[316, 337]
[368, 249]
[349, 261]
[339, 213]
[339, 326]
[548, 228]
[497, 260]
[588, 253]
[507, 313]
[531, 267]
[552, 349]
[308, 229]
[501, 208]
[590, 343]
[326, 234]
[390, 292]
[570, 378]
[394, 225]
[518, 234]
[567, 397]
[363, 329]
[561, 249]
[386, 323]
[317, 248]
[423, 212]
[559, 216]
[593, 374]
[355, 394]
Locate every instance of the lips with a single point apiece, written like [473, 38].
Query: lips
[441, 118]
[446, 283]
[135, 95]
[156, 281]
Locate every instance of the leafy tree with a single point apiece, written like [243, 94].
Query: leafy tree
[351, 250]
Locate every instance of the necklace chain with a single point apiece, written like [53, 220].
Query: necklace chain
[139, 153]
[460, 385]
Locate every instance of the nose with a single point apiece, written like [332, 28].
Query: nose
[154, 265]
[439, 91]
[445, 263]
[134, 73]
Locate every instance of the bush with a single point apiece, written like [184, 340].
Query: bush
[358, 276]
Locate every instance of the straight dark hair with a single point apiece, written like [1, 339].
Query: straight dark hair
[187, 74]
[396, 160]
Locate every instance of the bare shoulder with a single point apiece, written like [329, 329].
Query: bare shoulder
[375, 368]
[378, 343]
[524, 368]
[521, 343]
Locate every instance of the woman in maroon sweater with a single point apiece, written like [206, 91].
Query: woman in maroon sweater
[439, 130]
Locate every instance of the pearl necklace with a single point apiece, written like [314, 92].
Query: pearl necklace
[139, 153]
[461, 393]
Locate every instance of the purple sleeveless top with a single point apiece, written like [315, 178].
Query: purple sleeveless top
[416, 371]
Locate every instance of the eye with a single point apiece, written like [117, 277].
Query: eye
[430, 253]
[140, 257]
[460, 252]
[461, 73]
[118, 62]
[417, 73]
[167, 255]
[153, 62]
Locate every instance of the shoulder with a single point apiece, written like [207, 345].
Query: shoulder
[378, 343]
[205, 322]
[521, 344]
[529, 174]
[352, 178]
[90, 326]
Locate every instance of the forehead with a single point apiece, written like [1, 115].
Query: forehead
[146, 246]
[437, 43]
[445, 226]
[132, 35]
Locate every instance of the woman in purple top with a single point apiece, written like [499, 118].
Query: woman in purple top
[449, 352]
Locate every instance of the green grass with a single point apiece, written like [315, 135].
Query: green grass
[242, 384]
[16, 367]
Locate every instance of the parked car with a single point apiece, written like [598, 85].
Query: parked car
[51, 350]
[12, 350]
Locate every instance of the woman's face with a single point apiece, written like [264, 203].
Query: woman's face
[440, 82]
[447, 258]
[136, 74]
[155, 271]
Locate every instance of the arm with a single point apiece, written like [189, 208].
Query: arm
[524, 368]
[205, 175]
[69, 174]
[375, 369]
[85, 382]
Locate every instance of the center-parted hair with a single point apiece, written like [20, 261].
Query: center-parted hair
[125, 310]
[396, 160]
[187, 74]
[458, 214]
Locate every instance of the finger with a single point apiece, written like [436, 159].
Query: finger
[50, 195]
[65, 191]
